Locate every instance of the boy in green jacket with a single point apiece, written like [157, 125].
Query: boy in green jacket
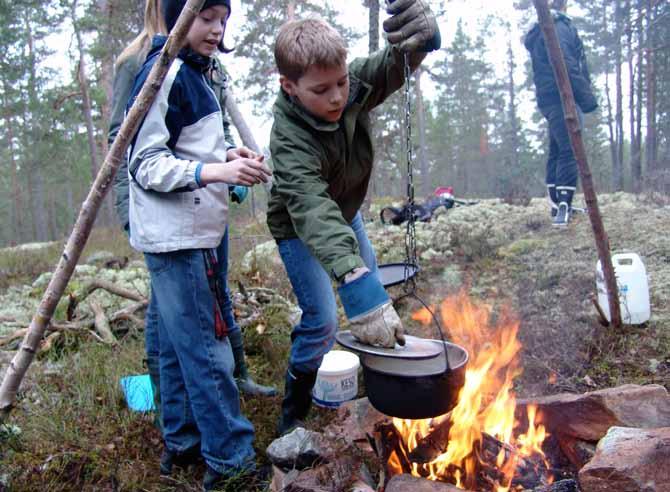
[321, 146]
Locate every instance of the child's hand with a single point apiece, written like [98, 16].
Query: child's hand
[239, 152]
[241, 171]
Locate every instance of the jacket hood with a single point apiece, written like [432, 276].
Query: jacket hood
[203, 63]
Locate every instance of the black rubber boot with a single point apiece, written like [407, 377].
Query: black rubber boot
[297, 400]
[553, 199]
[154, 378]
[184, 460]
[564, 211]
[245, 382]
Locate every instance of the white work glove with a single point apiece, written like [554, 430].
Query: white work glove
[412, 27]
[372, 318]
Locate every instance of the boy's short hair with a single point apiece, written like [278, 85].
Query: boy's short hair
[306, 42]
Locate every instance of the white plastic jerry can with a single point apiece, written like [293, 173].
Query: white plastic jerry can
[633, 288]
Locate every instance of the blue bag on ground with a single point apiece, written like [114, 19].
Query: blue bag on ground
[138, 392]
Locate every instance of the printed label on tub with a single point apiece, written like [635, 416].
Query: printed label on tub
[331, 391]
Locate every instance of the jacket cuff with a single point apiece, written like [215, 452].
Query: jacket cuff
[198, 170]
[344, 265]
[362, 296]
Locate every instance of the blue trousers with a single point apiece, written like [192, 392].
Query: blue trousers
[151, 338]
[314, 336]
[199, 397]
[561, 163]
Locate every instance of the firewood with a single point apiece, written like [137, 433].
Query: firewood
[102, 324]
[48, 342]
[433, 444]
[387, 442]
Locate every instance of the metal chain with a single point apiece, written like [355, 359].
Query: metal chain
[409, 284]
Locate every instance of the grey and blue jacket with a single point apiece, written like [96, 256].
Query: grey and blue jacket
[124, 77]
[546, 88]
[169, 208]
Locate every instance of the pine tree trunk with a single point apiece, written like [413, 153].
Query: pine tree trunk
[640, 93]
[102, 184]
[376, 184]
[651, 144]
[617, 175]
[635, 163]
[511, 89]
[37, 207]
[17, 209]
[421, 130]
[107, 81]
[82, 80]
[572, 121]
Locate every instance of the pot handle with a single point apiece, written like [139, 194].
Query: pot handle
[439, 328]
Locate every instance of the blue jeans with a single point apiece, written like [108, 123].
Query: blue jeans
[314, 336]
[561, 163]
[199, 397]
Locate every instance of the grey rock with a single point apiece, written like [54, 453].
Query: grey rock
[299, 449]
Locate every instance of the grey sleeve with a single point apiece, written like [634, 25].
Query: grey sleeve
[124, 79]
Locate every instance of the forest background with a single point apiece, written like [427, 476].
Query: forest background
[475, 126]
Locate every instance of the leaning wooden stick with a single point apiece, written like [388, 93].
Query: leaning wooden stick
[572, 121]
[89, 209]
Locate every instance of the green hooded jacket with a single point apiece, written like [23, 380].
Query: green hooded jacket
[322, 170]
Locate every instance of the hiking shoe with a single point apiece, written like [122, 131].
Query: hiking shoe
[562, 215]
[185, 459]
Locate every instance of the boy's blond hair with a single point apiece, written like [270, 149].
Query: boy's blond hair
[153, 24]
[306, 42]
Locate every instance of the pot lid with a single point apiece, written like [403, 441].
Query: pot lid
[458, 358]
[414, 348]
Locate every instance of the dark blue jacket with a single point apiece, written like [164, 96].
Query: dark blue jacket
[546, 88]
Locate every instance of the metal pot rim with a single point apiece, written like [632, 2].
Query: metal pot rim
[413, 368]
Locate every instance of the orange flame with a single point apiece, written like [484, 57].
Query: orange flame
[486, 401]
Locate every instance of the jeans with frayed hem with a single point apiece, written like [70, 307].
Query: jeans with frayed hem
[196, 369]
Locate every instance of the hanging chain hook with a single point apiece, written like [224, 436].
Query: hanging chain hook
[411, 263]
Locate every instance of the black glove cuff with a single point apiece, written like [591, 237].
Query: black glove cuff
[433, 44]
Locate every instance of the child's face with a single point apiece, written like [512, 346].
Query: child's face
[207, 30]
[322, 91]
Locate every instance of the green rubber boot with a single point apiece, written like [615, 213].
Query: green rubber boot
[245, 382]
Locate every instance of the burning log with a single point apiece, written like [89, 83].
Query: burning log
[433, 444]
[389, 444]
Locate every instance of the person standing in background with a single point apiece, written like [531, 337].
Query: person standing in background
[562, 174]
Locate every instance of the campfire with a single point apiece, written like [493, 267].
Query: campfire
[480, 444]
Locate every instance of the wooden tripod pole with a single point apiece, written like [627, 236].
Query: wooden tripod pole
[89, 209]
[572, 121]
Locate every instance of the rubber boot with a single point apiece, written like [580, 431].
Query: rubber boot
[154, 378]
[245, 382]
[564, 207]
[297, 400]
[553, 199]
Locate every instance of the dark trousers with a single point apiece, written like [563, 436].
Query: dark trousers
[561, 163]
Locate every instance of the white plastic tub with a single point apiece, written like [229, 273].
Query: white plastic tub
[337, 379]
[631, 277]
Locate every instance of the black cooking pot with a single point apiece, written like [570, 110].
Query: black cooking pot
[415, 389]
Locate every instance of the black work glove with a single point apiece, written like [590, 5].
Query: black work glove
[412, 27]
